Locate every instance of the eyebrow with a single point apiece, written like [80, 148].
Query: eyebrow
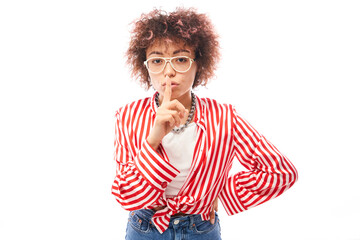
[155, 52]
[181, 50]
[175, 52]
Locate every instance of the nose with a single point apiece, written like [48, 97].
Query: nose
[169, 70]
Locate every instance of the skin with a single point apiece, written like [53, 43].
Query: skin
[174, 94]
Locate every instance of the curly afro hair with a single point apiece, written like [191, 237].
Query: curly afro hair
[185, 25]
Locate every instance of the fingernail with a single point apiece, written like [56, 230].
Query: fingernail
[212, 221]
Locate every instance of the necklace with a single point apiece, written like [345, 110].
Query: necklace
[191, 113]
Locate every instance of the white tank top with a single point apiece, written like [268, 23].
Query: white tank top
[179, 147]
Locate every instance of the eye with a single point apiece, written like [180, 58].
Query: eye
[156, 61]
[182, 60]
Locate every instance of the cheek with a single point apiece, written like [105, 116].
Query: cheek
[154, 81]
[194, 70]
[192, 74]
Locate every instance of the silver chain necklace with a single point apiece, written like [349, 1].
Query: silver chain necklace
[191, 113]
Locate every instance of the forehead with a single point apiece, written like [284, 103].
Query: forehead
[168, 46]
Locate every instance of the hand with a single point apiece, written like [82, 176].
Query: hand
[213, 209]
[168, 115]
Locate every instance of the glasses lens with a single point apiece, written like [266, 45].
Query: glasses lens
[155, 64]
[181, 63]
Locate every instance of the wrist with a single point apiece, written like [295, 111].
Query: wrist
[154, 143]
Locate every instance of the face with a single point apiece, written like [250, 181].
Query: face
[181, 83]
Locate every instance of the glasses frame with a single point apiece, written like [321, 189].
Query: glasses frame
[168, 60]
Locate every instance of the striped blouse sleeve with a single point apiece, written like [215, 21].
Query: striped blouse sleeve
[269, 173]
[142, 174]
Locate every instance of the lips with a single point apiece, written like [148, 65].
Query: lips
[172, 84]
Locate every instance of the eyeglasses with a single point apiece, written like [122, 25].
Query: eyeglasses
[180, 64]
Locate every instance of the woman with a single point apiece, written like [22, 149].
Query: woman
[174, 150]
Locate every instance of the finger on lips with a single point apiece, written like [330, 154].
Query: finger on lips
[174, 108]
[175, 104]
[167, 93]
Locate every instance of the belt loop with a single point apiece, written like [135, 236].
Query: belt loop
[191, 222]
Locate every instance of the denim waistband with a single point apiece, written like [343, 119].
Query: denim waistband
[187, 220]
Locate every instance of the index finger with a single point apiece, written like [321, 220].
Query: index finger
[167, 93]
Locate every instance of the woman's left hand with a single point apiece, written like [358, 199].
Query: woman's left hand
[212, 213]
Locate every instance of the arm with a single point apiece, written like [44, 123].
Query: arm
[269, 173]
[141, 177]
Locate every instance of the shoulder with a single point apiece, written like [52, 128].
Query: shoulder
[134, 107]
[209, 104]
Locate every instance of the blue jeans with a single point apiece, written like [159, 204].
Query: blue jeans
[140, 227]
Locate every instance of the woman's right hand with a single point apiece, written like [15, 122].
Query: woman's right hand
[168, 115]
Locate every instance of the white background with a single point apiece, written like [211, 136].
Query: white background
[290, 67]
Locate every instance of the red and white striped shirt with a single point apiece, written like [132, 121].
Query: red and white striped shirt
[142, 174]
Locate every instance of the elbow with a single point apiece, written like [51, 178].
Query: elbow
[289, 175]
[293, 175]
